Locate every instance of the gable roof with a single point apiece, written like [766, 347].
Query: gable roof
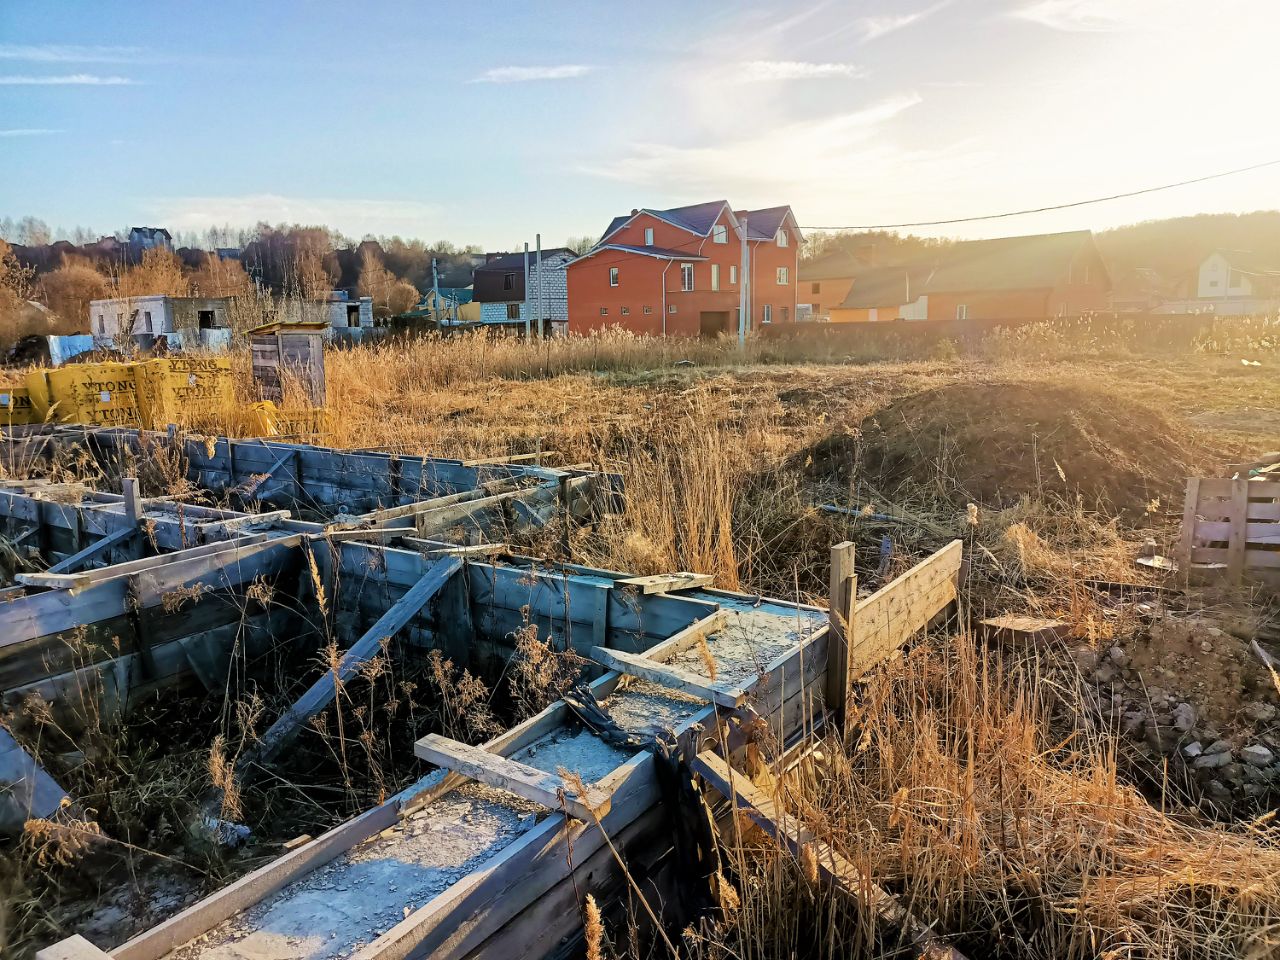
[765, 224]
[882, 287]
[1005, 263]
[836, 265]
[699, 218]
[489, 280]
[1246, 261]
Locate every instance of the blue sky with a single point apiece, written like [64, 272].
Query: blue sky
[485, 122]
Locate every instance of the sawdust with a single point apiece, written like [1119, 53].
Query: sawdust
[350, 901]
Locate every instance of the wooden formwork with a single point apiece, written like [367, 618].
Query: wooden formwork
[443, 883]
[1231, 530]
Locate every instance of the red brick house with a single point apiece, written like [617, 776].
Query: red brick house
[1010, 278]
[676, 272]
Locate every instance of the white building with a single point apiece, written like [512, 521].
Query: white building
[184, 321]
[1232, 283]
[499, 288]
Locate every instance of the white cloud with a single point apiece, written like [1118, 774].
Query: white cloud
[873, 28]
[1074, 16]
[69, 79]
[798, 70]
[564, 71]
[27, 132]
[814, 152]
[355, 217]
[61, 53]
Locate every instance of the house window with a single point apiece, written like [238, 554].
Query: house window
[962, 311]
[604, 311]
[782, 238]
[102, 324]
[146, 320]
[715, 276]
[815, 288]
[784, 314]
[508, 281]
[686, 277]
[720, 233]
[513, 311]
[671, 308]
[626, 311]
[1213, 283]
[613, 276]
[648, 236]
[733, 274]
[768, 313]
[648, 309]
[784, 276]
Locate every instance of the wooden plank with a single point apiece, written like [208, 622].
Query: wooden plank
[26, 789]
[833, 868]
[376, 533]
[1189, 507]
[1239, 527]
[547, 789]
[254, 887]
[93, 551]
[509, 458]
[666, 582]
[689, 637]
[840, 615]
[132, 500]
[671, 677]
[322, 692]
[1207, 532]
[890, 616]
[227, 550]
[73, 948]
[1026, 630]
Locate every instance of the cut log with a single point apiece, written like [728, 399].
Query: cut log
[1025, 630]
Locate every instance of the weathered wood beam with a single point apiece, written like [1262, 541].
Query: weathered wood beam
[74, 562]
[833, 868]
[666, 582]
[26, 790]
[843, 593]
[321, 693]
[671, 677]
[547, 789]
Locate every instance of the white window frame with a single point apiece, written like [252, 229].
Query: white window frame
[613, 276]
[783, 239]
[962, 311]
[720, 233]
[648, 236]
[784, 276]
[715, 276]
[733, 274]
[671, 308]
[767, 313]
[686, 277]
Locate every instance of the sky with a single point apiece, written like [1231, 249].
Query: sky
[489, 122]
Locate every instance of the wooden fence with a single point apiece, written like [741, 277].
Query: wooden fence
[1231, 530]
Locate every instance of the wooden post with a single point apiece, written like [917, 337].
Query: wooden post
[844, 590]
[1239, 531]
[1189, 512]
[132, 500]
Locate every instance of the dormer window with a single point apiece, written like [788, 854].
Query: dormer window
[720, 233]
[648, 236]
[782, 238]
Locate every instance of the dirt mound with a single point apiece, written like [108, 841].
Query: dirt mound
[991, 443]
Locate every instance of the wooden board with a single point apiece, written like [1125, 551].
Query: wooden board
[671, 677]
[665, 582]
[833, 868]
[547, 789]
[1026, 630]
[885, 620]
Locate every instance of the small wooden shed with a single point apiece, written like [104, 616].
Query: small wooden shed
[295, 347]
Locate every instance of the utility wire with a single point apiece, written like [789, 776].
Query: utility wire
[1058, 206]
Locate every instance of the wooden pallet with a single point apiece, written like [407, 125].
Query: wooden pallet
[1231, 531]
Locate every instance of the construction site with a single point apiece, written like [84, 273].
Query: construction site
[588, 648]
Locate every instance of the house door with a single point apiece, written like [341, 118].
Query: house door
[712, 323]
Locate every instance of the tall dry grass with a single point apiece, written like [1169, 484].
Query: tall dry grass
[965, 791]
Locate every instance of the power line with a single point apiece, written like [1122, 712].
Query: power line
[1058, 206]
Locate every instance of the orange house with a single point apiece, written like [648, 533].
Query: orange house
[679, 272]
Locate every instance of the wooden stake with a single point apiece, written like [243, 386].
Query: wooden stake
[844, 588]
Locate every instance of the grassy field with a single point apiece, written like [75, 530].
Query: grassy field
[985, 787]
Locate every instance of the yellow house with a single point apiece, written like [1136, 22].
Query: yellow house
[875, 295]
